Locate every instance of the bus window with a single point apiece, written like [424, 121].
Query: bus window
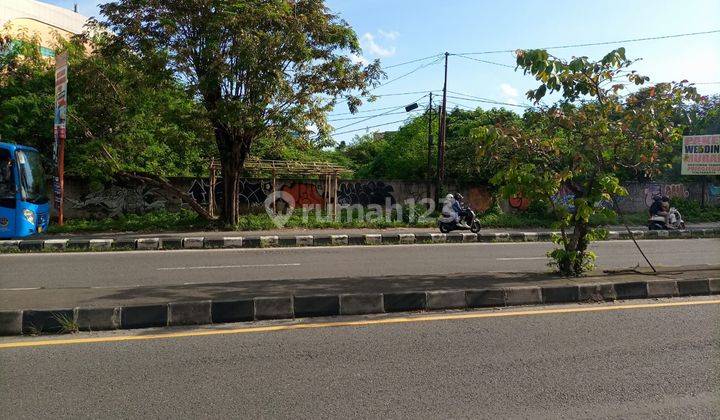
[7, 180]
[32, 177]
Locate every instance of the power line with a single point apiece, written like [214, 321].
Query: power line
[379, 115]
[374, 116]
[372, 126]
[484, 61]
[366, 110]
[405, 93]
[408, 73]
[412, 61]
[485, 100]
[385, 108]
[593, 44]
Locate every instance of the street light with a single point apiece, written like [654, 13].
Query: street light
[411, 107]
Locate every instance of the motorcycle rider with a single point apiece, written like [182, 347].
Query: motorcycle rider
[660, 207]
[459, 209]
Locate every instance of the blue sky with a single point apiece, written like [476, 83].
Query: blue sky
[396, 31]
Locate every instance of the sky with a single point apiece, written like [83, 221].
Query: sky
[397, 31]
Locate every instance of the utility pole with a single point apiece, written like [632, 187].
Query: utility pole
[441, 137]
[430, 145]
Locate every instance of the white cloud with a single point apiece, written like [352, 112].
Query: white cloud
[368, 43]
[391, 35]
[508, 90]
[359, 59]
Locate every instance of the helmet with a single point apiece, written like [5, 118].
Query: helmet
[449, 197]
[459, 197]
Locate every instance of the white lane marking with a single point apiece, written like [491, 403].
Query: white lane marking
[212, 267]
[521, 258]
[18, 289]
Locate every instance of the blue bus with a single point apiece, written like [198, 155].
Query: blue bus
[24, 202]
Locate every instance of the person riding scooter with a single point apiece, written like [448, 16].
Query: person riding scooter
[457, 216]
[460, 210]
[664, 217]
[660, 206]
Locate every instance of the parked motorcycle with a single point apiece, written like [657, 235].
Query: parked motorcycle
[447, 222]
[674, 221]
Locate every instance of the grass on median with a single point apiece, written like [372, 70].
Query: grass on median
[186, 220]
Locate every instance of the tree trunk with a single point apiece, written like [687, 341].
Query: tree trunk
[233, 151]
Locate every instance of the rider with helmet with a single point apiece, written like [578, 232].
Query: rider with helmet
[454, 208]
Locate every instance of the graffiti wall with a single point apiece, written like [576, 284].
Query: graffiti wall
[115, 199]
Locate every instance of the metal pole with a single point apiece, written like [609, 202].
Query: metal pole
[430, 145]
[61, 176]
[441, 137]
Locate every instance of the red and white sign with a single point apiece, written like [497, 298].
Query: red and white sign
[701, 155]
[60, 129]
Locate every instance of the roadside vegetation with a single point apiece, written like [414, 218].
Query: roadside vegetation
[187, 220]
[158, 89]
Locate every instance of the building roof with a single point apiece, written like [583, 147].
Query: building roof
[48, 14]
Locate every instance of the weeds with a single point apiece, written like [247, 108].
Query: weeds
[68, 325]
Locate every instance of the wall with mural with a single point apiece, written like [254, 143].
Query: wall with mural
[113, 200]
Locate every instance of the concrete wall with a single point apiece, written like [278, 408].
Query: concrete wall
[115, 199]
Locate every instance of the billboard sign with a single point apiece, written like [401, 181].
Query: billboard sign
[60, 128]
[701, 155]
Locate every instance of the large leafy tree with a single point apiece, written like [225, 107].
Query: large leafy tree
[123, 122]
[582, 142]
[261, 68]
[27, 92]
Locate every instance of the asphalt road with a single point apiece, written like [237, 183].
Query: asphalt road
[113, 269]
[660, 362]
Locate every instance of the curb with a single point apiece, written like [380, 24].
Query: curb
[167, 243]
[41, 321]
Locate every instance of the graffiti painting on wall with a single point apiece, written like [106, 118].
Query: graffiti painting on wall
[366, 193]
[305, 194]
[519, 203]
[252, 192]
[117, 200]
[714, 191]
[669, 190]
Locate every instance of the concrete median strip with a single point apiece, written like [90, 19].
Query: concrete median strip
[169, 243]
[44, 321]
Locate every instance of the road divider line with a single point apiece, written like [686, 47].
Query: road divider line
[362, 323]
[521, 258]
[215, 267]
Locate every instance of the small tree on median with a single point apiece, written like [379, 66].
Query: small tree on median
[583, 142]
[261, 69]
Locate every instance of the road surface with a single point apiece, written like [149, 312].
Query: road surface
[643, 359]
[114, 269]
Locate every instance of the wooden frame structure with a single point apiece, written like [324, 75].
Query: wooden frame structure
[329, 173]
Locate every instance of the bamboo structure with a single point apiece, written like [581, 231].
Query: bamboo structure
[329, 173]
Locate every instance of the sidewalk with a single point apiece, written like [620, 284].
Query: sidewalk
[153, 306]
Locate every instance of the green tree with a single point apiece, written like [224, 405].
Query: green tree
[123, 122]
[461, 164]
[262, 69]
[27, 92]
[582, 142]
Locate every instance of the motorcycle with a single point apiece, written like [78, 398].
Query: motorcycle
[447, 222]
[674, 221]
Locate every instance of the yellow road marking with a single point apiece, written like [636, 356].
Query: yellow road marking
[426, 318]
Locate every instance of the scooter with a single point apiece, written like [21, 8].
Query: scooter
[674, 221]
[447, 222]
